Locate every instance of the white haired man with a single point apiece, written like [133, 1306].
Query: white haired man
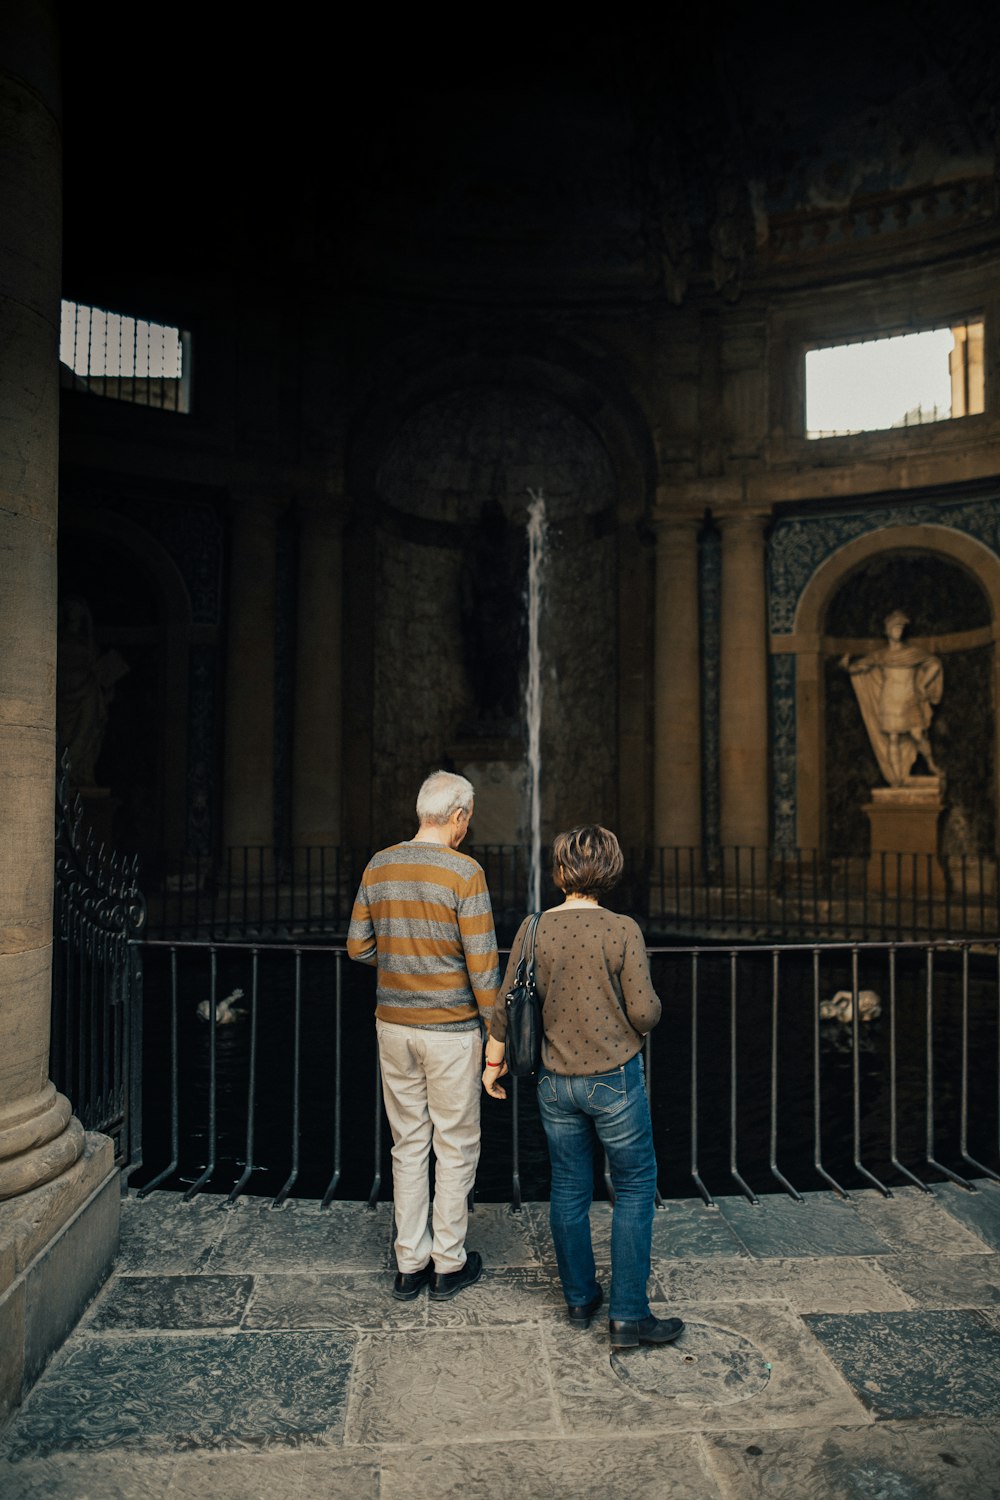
[422, 915]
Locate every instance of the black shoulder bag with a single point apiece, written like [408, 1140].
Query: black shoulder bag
[523, 1047]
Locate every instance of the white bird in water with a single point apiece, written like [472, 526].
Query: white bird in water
[841, 1007]
[227, 1012]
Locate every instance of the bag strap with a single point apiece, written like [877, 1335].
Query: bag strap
[526, 962]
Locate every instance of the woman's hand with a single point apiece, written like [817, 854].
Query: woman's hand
[494, 1070]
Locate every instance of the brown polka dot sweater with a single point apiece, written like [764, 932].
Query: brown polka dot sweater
[598, 1000]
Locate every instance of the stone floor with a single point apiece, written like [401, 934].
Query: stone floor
[832, 1350]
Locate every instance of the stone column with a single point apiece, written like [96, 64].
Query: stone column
[39, 1139]
[677, 687]
[248, 800]
[743, 684]
[318, 729]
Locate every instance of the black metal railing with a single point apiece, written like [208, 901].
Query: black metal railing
[96, 1032]
[251, 891]
[778, 1068]
[787, 893]
[780, 894]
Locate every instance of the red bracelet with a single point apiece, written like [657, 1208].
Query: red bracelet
[495, 1065]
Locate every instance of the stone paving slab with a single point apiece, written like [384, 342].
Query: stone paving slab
[826, 1284]
[164, 1235]
[921, 1363]
[821, 1225]
[560, 1469]
[346, 1303]
[446, 1385]
[931, 1280]
[525, 1296]
[913, 1220]
[510, 1239]
[679, 1229]
[979, 1211]
[347, 1237]
[188, 1391]
[802, 1387]
[289, 1474]
[87, 1476]
[130, 1303]
[891, 1461]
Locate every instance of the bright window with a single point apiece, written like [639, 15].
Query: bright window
[129, 359]
[902, 381]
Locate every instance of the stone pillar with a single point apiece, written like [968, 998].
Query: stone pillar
[248, 799]
[743, 684]
[39, 1139]
[677, 688]
[318, 730]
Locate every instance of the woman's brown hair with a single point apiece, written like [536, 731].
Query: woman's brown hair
[586, 861]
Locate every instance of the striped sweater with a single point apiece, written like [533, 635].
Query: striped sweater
[423, 915]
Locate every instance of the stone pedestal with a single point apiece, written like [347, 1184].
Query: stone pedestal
[904, 822]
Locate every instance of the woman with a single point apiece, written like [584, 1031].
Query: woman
[598, 1003]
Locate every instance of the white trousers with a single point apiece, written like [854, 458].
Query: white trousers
[431, 1083]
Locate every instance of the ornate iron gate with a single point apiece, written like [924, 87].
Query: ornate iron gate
[96, 1047]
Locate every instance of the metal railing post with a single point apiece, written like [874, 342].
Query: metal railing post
[733, 1088]
[331, 1186]
[248, 1165]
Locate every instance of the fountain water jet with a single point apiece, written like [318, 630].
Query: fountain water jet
[533, 694]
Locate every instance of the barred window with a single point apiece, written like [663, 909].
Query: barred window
[903, 381]
[128, 359]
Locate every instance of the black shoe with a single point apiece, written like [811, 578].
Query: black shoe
[580, 1317]
[408, 1284]
[629, 1335]
[447, 1283]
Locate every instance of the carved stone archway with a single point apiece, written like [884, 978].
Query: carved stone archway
[806, 644]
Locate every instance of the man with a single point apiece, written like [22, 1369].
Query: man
[423, 916]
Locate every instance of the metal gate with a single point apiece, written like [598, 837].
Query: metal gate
[96, 1046]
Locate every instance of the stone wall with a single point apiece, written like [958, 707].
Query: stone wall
[449, 615]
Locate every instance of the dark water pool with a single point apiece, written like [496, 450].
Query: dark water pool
[692, 1058]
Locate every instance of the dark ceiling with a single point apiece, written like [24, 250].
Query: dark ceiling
[190, 145]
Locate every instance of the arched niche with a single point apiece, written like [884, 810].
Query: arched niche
[435, 449]
[812, 646]
[147, 618]
[549, 368]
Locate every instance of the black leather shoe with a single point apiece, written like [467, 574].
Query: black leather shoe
[408, 1284]
[580, 1317]
[447, 1283]
[629, 1335]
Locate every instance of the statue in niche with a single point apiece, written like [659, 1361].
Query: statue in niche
[85, 683]
[897, 688]
[492, 625]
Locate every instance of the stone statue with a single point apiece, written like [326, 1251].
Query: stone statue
[84, 688]
[897, 688]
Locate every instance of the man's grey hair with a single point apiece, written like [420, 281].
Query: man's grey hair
[442, 794]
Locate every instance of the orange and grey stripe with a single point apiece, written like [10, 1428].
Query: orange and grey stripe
[423, 915]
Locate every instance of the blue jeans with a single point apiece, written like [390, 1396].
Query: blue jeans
[615, 1106]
